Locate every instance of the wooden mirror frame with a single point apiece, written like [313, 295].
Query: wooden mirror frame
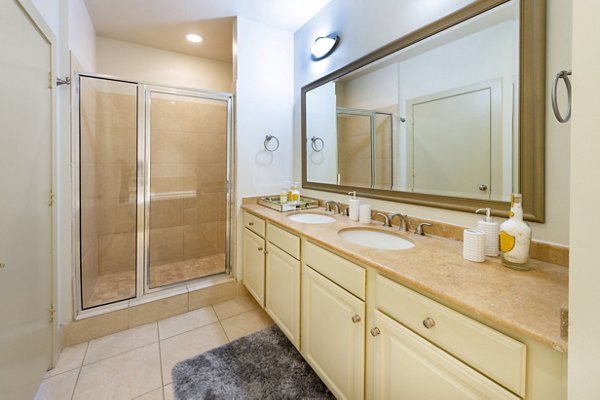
[532, 109]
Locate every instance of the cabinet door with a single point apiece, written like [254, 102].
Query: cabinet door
[333, 334]
[406, 366]
[254, 265]
[282, 297]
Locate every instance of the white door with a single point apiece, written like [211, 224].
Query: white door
[282, 297]
[333, 334]
[25, 214]
[253, 260]
[406, 366]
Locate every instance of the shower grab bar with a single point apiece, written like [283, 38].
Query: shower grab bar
[314, 145]
[564, 75]
[268, 139]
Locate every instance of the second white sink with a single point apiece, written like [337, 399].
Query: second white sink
[311, 218]
[375, 239]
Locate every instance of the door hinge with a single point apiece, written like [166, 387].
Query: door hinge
[49, 80]
[50, 198]
[51, 313]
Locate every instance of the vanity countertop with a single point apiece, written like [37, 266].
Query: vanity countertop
[526, 302]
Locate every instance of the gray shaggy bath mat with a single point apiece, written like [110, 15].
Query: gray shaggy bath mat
[264, 365]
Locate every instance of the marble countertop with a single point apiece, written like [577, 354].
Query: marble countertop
[525, 302]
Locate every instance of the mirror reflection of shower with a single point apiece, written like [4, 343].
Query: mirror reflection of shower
[153, 171]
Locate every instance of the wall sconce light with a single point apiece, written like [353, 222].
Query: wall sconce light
[324, 46]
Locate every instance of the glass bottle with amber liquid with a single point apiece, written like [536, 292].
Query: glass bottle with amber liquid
[515, 237]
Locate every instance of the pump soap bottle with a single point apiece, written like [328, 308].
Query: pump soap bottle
[353, 207]
[491, 230]
[515, 237]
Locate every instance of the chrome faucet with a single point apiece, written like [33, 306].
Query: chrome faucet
[403, 225]
[333, 203]
[386, 219]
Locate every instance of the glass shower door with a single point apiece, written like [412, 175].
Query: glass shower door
[187, 205]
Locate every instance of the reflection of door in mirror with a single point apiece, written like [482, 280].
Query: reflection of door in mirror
[465, 123]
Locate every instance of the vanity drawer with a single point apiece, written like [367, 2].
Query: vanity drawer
[284, 240]
[255, 224]
[494, 354]
[343, 272]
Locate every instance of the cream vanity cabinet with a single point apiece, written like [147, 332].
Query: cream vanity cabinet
[282, 280]
[253, 256]
[424, 350]
[333, 315]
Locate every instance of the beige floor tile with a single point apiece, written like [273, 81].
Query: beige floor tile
[69, 358]
[121, 342]
[124, 376]
[169, 394]
[246, 323]
[58, 387]
[236, 306]
[156, 394]
[189, 344]
[186, 322]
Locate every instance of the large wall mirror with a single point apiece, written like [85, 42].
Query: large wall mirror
[450, 116]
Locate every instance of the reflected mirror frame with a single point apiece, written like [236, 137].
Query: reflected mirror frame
[532, 58]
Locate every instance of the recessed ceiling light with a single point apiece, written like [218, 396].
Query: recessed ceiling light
[192, 37]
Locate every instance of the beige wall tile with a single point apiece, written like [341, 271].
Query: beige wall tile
[115, 145]
[166, 178]
[189, 344]
[246, 323]
[200, 240]
[117, 110]
[116, 252]
[167, 147]
[114, 216]
[166, 244]
[124, 376]
[95, 327]
[165, 213]
[116, 180]
[211, 295]
[156, 310]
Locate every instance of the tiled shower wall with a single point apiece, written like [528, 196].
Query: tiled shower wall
[188, 157]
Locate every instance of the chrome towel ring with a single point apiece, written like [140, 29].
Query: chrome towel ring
[564, 75]
[314, 144]
[268, 139]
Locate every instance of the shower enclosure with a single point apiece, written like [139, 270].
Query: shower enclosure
[153, 178]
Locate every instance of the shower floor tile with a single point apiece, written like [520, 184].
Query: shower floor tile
[121, 285]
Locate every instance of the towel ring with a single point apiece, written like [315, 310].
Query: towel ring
[314, 144]
[564, 75]
[268, 139]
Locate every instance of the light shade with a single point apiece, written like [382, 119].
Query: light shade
[192, 37]
[324, 46]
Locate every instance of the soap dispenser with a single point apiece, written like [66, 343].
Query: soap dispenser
[515, 237]
[353, 207]
[491, 230]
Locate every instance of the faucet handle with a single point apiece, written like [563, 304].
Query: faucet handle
[420, 228]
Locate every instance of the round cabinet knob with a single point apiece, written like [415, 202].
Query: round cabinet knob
[251, 223]
[356, 318]
[428, 322]
[375, 331]
[483, 188]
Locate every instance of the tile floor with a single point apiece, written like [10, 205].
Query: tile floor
[137, 363]
[121, 285]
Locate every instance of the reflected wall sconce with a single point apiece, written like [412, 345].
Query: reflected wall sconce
[324, 46]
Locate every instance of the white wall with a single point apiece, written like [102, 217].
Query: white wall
[82, 35]
[151, 65]
[264, 105]
[367, 26]
[584, 274]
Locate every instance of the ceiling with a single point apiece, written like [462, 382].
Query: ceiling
[164, 23]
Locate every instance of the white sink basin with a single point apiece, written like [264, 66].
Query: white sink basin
[311, 218]
[375, 239]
